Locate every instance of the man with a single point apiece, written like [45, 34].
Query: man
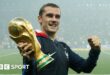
[64, 57]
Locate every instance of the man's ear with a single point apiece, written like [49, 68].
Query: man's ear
[40, 19]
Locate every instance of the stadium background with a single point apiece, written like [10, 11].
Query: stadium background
[79, 20]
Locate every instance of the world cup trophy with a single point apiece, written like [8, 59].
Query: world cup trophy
[21, 29]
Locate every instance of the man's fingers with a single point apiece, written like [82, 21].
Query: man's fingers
[22, 45]
[90, 41]
[27, 54]
[94, 41]
[29, 46]
[25, 49]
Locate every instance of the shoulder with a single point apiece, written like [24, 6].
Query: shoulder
[63, 44]
[39, 33]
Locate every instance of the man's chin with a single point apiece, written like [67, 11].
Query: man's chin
[52, 31]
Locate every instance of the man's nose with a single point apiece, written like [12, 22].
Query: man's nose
[54, 18]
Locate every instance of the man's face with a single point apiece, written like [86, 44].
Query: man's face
[50, 19]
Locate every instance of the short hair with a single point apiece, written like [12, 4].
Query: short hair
[46, 5]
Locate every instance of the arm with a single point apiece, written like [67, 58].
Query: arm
[85, 65]
[94, 43]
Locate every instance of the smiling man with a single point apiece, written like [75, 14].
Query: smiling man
[64, 57]
[49, 18]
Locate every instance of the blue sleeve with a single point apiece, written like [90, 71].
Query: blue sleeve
[79, 64]
[83, 65]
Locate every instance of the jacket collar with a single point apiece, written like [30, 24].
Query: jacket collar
[41, 34]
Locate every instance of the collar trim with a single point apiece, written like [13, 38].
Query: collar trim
[40, 34]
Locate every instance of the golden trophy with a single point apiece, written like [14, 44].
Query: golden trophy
[22, 30]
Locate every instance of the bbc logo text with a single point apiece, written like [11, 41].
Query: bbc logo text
[13, 66]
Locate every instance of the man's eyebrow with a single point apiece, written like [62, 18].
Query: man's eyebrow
[51, 15]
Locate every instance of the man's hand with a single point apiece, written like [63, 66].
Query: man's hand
[26, 49]
[94, 42]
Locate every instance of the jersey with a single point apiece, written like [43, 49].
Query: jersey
[64, 58]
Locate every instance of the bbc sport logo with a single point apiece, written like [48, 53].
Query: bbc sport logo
[1, 66]
[6, 66]
[13, 66]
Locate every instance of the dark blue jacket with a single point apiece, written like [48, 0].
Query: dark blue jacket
[64, 58]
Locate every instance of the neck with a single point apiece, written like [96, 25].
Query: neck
[51, 35]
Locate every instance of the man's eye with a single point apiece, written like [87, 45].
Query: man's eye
[49, 15]
[57, 16]
[52, 15]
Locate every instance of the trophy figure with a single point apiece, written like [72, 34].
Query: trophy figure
[21, 29]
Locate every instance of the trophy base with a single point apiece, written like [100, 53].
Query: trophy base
[42, 62]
